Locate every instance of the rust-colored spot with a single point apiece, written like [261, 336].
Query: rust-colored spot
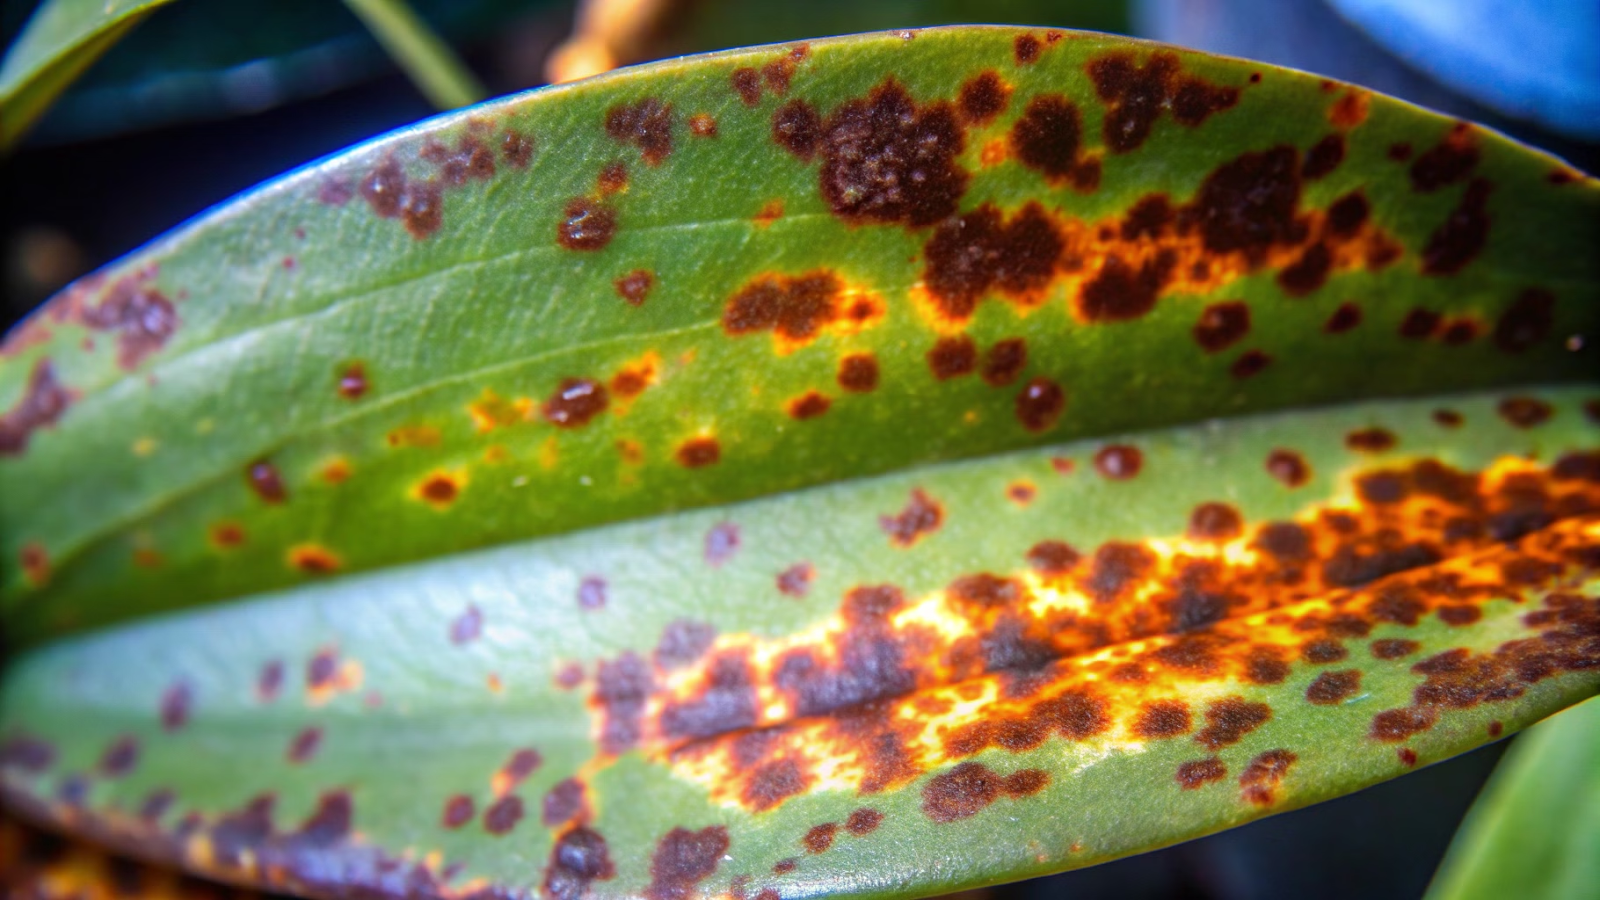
[795, 581]
[797, 309]
[586, 225]
[785, 866]
[779, 72]
[863, 821]
[1026, 49]
[1333, 688]
[1463, 234]
[634, 287]
[264, 479]
[1249, 364]
[1524, 412]
[684, 858]
[820, 837]
[177, 701]
[1288, 467]
[414, 436]
[1393, 648]
[503, 815]
[470, 160]
[612, 179]
[1447, 418]
[770, 212]
[120, 757]
[646, 124]
[1350, 109]
[1221, 325]
[1370, 440]
[353, 381]
[1459, 616]
[952, 357]
[1447, 162]
[314, 559]
[1053, 559]
[575, 403]
[722, 542]
[979, 251]
[921, 517]
[1229, 720]
[516, 148]
[797, 128]
[1004, 361]
[699, 452]
[1121, 291]
[1248, 205]
[1395, 725]
[809, 405]
[888, 160]
[1345, 318]
[440, 489]
[747, 84]
[1040, 404]
[703, 125]
[1262, 776]
[983, 97]
[1496, 728]
[1136, 96]
[1526, 322]
[1160, 719]
[858, 373]
[1215, 522]
[1021, 492]
[592, 593]
[1047, 138]
[304, 744]
[44, 401]
[1195, 773]
[1119, 462]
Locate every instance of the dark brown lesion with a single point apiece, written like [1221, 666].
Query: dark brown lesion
[1136, 96]
[44, 401]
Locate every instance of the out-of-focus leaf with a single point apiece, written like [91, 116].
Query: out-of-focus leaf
[59, 42]
[951, 676]
[1535, 831]
[738, 274]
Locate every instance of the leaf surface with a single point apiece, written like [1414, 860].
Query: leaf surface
[732, 275]
[1535, 830]
[955, 675]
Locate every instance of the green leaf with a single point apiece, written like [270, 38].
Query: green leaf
[961, 674]
[59, 42]
[1535, 831]
[727, 276]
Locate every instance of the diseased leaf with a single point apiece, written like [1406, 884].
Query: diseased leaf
[732, 275]
[61, 40]
[1535, 830]
[933, 679]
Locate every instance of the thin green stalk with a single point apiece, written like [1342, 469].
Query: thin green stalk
[438, 73]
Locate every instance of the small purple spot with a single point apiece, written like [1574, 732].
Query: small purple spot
[722, 542]
[592, 593]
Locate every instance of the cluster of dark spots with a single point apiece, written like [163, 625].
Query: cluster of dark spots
[1524, 412]
[586, 225]
[979, 251]
[352, 384]
[779, 72]
[1136, 96]
[468, 626]
[1345, 318]
[684, 858]
[1323, 157]
[563, 803]
[575, 403]
[119, 758]
[863, 821]
[1215, 522]
[797, 128]
[177, 701]
[1199, 772]
[1371, 440]
[1249, 364]
[809, 405]
[43, 402]
[612, 178]
[1047, 138]
[470, 160]
[1160, 719]
[1463, 234]
[1004, 361]
[1119, 462]
[1122, 291]
[1039, 405]
[952, 357]
[722, 542]
[682, 643]
[921, 517]
[1447, 162]
[703, 125]
[858, 373]
[1249, 205]
[1026, 48]
[646, 124]
[591, 593]
[141, 316]
[794, 308]
[1221, 325]
[820, 837]
[516, 148]
[1263, 775]
[579, 858]
[503, 815]
[1526, 322]
[795, 581]
[1333, 688]
[982, 97]
[889, 161]
[1117, 566]
[1229, 720]
[419, 205]
[304, 744]
[967, 789]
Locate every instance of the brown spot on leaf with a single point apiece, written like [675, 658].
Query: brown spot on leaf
[699, 452]
[305, 744]
[586, 225]
[1524, 412]
[503, 815]
[863, 821]
[1395, 725]
[1249, 364]
[1526, 322]
[1026, 49]
[1196, 773]
[468, 626]
[439, 489]
[952, 357]
[703, 125]
[683, 859]
[978, 252]
[983, 97]
[797, 128]
[634, 287]
[575, 403]
[1249, 205]
[1160, 719]
[888, 160]
[1288, 467]
[921, 516]
[1004, 361]
[1370, 440]
[809, 405]
[314, 559]
[858, 373]
[1333, 688]
[820, 837]
[1047, 138]
[44, 400]
[579, 858]
[563, 803]
[120, 757]
[1307, 273]
[592, 593]
[353, 381]
[1447, 162]
[1221, 325]
[796, 308]
[646, 124]
[516, 148]
[1040, 404]
[722, 542]
[795, 581]
[1343, 319]
[1136, 96]
[1119, 462]
[1215, 522]
[1393, 648]
[35, 563]
[1323, 157]
[1462, 235]
[176, 703]
[613, 178]
[1122, 291]
[1262, 776]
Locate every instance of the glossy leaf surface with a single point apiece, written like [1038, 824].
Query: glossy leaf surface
[1535, 830]
[728, 276]
[61, 40]
[898, 686]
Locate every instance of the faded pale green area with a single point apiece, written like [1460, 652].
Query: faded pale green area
[424, 722]
[1535, 830]
[277, 292]
[59, 42]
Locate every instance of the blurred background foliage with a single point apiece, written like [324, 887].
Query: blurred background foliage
[209, 97]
